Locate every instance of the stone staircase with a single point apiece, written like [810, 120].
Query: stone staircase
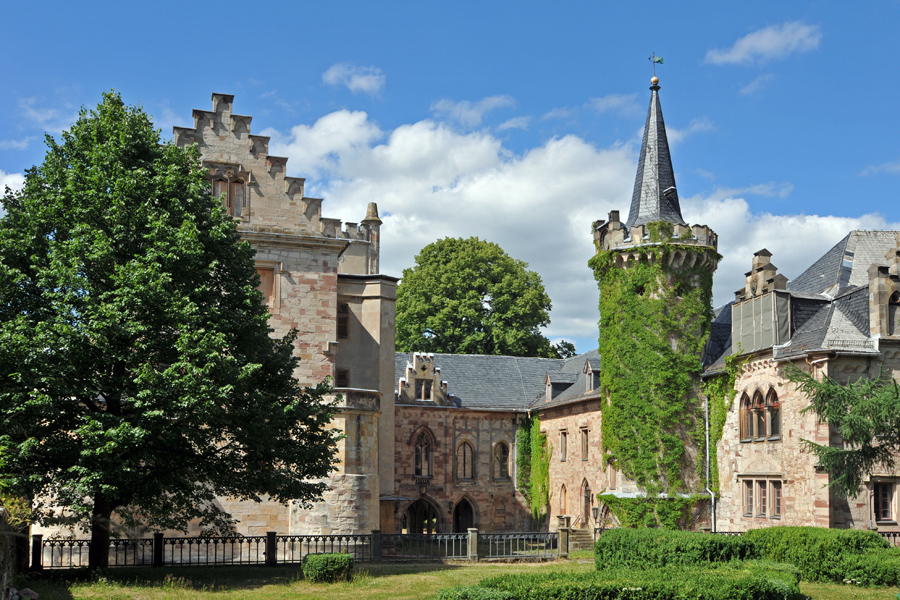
[581, 539]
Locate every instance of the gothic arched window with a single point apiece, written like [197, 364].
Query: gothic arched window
[423, 458]
[758, 413]
[744, 418]
[773, 410]
[465, 468]
[501, 462]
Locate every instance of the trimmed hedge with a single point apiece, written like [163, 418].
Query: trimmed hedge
[830, 554]
[743, 582]
[327, 568]
[654, 548]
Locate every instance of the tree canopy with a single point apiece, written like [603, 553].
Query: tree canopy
[866, 414]
[467, 296]
[138, 371]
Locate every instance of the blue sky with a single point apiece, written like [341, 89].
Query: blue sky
[517, 122]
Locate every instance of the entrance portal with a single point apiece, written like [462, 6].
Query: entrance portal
[463, 516]
[420, 517]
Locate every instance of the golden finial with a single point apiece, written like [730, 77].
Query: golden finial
[654, 80]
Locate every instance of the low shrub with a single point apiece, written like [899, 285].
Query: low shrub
[725, 582]
[327, 568]
[836, 555]
[472, 592]
[654, 548]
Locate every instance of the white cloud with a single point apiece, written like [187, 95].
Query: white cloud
[53, 120]
[773, 42]
[795, 241]
[757, 84]
[888, 167]
[624, 104]
[698, 125]
[558, 113]
[367, 80]
[470, 114]
[431, 181]
[335, 137]
[16, 144]
[14, 181]
[514, 123]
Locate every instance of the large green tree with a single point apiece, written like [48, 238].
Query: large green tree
[467, 296]
[137, 370]
[866, 414]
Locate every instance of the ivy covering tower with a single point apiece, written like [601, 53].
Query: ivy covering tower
[655, 277]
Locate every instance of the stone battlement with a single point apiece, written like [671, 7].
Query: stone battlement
[614, 235]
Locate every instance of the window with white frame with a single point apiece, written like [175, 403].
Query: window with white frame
[762, 498]
[883, 501]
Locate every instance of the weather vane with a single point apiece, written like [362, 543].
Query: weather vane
[653, 58]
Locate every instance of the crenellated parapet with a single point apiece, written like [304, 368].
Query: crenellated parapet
[256, 190]
[692, 245]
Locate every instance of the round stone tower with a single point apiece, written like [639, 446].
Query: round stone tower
[654, 272]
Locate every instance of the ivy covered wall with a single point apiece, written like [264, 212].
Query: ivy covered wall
[655, 316]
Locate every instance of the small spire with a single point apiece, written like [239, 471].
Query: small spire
[655, 196]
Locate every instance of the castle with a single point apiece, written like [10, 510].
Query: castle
[430, 440]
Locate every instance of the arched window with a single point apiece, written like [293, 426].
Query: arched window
[744, 418]
[231, 192]
[773, 410]
[501, 462]
[423, 458]
[465, 469]
[759, 417]
[894, 314]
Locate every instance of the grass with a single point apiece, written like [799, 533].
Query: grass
[378, 581]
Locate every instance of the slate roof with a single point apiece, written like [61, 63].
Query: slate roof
[718, 346]
[477, 381]
[655, 197]
[846, 264]
[829, 302]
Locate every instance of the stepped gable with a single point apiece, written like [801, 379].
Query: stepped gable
[259, 192]
[655, 197]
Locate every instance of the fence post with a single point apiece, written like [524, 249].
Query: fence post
[375, 548]
[37, 547]
[271, 549]
[563, 542]
[157, 549]
[473, 544]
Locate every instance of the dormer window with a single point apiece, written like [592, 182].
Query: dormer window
[231, 193]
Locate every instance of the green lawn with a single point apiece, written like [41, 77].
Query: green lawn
[386, 581]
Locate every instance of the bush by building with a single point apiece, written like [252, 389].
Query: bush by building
[836, 555]
[655, 548]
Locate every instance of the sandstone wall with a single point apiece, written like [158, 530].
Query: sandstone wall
[498, 505]
[577, 473]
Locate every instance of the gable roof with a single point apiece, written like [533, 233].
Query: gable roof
[846, 264]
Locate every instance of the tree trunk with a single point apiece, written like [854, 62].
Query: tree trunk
[98, 555]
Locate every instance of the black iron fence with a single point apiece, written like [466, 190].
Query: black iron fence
[273, 549]
[520, 545]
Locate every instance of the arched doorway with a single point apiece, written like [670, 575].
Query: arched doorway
[463, 516]
[420, 517]
[588, 501]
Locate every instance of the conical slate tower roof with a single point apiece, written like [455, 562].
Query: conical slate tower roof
[655, 197]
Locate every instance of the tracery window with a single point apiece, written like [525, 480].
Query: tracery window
[759, 420]
[465, 470]
[501, 462]
[423, 455]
